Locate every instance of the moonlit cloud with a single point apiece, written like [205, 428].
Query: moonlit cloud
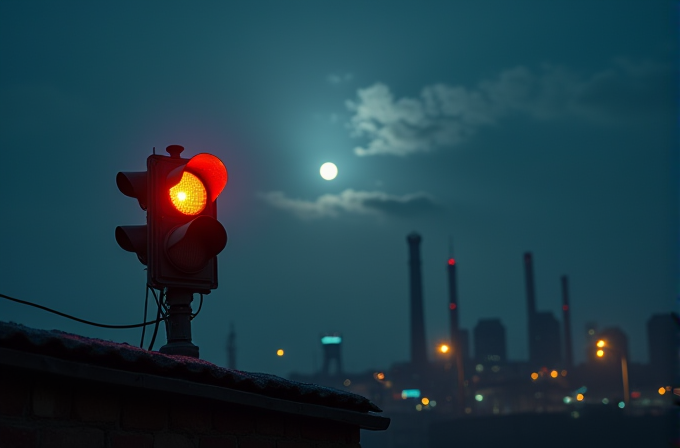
[374, 203]
[445, 116]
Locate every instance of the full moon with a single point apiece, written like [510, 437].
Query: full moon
[328, 171]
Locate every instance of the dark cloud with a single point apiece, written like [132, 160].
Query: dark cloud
[446, 115]
[408, 205]
[352, 202]
[630, 93]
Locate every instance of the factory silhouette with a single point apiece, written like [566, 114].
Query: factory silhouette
[431, 399]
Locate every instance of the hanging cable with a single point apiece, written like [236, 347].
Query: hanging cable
[146, 303]
[158, 319]
[164, 313]
[68, 316]
[200, 305]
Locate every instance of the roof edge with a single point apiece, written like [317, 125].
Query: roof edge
[72, 369]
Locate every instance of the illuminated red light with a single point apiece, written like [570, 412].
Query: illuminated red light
[635, 394]
[452, 261]
[565, 307]
[452, 306]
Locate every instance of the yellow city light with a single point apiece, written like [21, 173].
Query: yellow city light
[380, 376]
[189, 195]
[554, 374]
[534, 376]
[600, 353]
[279, 352]
[579, 397]
[662, 390]
[444, 348]
[425, 401]
[600, 343]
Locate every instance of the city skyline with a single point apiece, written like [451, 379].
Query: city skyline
[506, 127]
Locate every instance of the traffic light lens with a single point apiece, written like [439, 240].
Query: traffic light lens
[189, 195]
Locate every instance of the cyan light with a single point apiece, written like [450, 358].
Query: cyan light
[326, 340]
[410, 393]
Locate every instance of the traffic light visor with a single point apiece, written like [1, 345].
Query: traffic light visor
[192, 245]
[133, 239]
[209, 170]
[133, 184]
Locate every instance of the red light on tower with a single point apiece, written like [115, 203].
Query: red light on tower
[452, 306]
[452, 261]
[565, 307]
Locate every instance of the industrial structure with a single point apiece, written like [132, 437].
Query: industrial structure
[545, 348]
[418, 344]
[457, 382]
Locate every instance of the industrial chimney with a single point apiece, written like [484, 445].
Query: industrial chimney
[453, 303]
[566, 315]
[460, 349]
[418, 345]
[531, 306]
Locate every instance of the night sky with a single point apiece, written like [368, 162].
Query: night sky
[549, 127]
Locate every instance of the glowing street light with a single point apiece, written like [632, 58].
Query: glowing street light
[443, 348]
[280, 352]
[624, 369]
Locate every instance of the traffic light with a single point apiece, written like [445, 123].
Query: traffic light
[134, 238]
[182, 237]
[184, 233]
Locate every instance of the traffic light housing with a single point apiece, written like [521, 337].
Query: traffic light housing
[180, 243]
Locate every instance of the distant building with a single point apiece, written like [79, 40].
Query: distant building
[547, 341]
[489, 340]
[417, 315]
[662, 337]
[465, 343]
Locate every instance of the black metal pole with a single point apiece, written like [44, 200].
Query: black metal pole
[178, 324]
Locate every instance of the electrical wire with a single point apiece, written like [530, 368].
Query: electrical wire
[68, 316]
[155, 330]
[200, 305]
[146, 303]
[159, 304]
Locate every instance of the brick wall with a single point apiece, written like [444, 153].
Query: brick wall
[37, 412]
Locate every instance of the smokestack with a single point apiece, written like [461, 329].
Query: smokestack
[418, 346]
[456, 339]
[566, 314]
[529, 278]
[453, 303]
[531, 304]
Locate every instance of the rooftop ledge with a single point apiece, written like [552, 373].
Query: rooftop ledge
[63, 354]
